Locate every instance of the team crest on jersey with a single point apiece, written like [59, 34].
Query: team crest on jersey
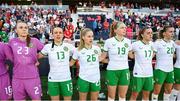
[31, 45]
[95, 51]
[126, 45]
[65, 48]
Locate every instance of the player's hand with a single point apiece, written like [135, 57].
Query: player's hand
[37, 64]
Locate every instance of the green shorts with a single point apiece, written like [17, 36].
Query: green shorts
[118, 77]
[142, 83]
[177, 75]
[60, 88]
[85, 86]
[161, 77]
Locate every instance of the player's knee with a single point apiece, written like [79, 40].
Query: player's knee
[167, 90]
[156, 91]
[145, 96]
[134, 95]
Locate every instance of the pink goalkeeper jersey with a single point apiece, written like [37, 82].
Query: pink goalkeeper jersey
[4, 53]
[25, 58]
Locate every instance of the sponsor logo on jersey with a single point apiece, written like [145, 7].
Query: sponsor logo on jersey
[126, 45]
[65, 49]
[82, 52]
[95, 51]
[140, 47]
[164, 45]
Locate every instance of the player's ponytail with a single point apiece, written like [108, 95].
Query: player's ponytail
[52, 44]
[161, 36]
[112, 33]
[28, 40]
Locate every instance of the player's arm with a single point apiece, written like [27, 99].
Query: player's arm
[131, 54]
[154, 54]
[72, 62]
[103, 57]
[41, 55]
[44, 52]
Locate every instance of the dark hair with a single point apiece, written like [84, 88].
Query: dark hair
[28, 39]
[165, 28]
[53, 43]
[142, 32]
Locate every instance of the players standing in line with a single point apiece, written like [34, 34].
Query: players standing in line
[117, 49]
[163, 73]
[143, 71]
[5, 86]
[88, 56]
[26, 78]
[175, 94]
[59, 78]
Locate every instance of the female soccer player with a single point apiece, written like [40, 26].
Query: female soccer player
[163, 73]
[5, 86]
[143, 71]
[117, 48]
[88, 56]
[26, 78]
[176, 90]
[59, 78]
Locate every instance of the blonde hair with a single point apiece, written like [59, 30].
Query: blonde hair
[115, 26]
[82, 34]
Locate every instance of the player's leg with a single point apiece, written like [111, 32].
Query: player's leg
[137, 85]
[66, 89]
[54, 90]
[33, 88]
[83, 87]
[147, 88]
[168, 85]
[112, 82]
[5, 87]
[176, 88]
[18, 87]
[159, 77]
[94, 89]
[124, 80]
